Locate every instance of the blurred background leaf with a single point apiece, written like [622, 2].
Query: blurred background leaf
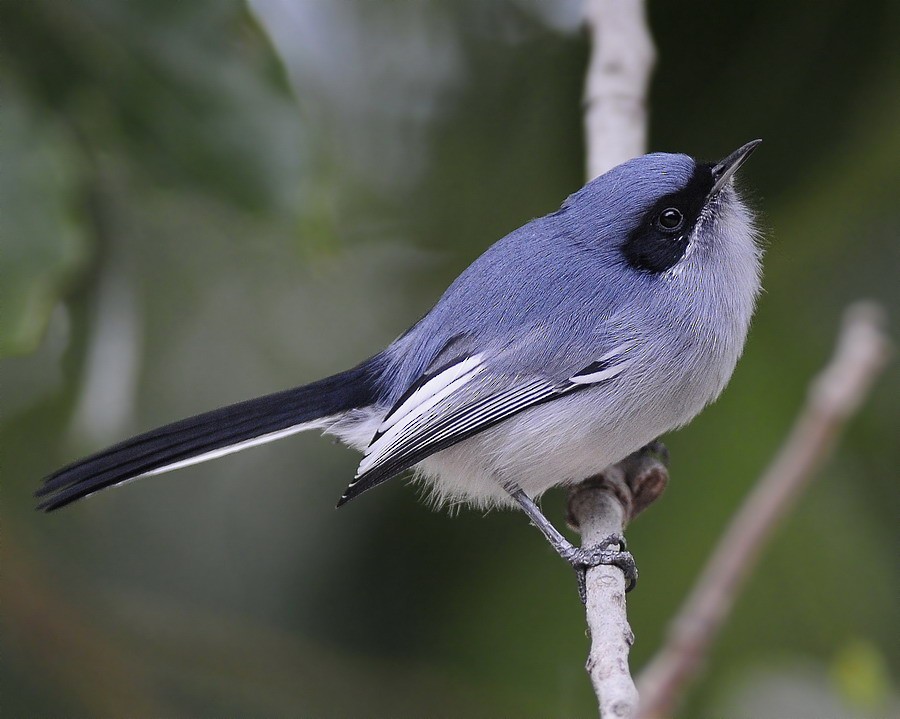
[44, 245]
[206, 201]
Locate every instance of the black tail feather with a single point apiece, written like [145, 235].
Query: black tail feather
[211, 432]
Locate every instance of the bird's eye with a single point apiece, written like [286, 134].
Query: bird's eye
[670, 219]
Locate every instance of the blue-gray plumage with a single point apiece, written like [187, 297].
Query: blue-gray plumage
[569, 344]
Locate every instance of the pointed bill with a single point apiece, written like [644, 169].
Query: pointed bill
[725, 170]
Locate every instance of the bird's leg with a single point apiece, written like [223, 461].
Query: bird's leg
[581, 559]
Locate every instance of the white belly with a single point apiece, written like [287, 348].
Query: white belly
[562, 442]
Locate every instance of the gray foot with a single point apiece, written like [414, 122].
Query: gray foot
[611, 551]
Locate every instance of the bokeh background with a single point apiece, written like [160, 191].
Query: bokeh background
[206, 201]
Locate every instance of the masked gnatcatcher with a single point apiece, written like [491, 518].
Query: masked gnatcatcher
[572, 342]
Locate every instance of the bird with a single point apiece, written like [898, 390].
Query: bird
[569, 344]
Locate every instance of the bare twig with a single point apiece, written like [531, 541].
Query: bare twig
[601, 513]
[834, 396]
[622, 59]
[598, 507]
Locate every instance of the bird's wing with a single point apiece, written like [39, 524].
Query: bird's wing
[457, 400]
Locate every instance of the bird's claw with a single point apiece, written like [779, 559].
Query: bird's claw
[584, 558]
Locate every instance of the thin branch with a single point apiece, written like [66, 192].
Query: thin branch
[601, 513]
[834, 396]
[622, 59]
[615, 95]
[598, 507]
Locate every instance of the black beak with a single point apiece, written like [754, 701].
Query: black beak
[725, 170]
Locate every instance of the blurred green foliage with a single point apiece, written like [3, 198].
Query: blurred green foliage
[39, 191]
[206, 201]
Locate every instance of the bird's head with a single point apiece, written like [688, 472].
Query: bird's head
[669, 216]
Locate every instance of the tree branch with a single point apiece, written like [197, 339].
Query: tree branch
[615, 93]
[622, 59]
[598, 507]
[834, 396]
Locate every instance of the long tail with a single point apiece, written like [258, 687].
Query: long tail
[214, 434]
